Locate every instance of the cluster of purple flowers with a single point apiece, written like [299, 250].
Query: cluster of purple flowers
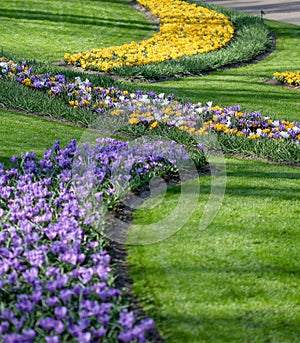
[56, 280]
[252, 125]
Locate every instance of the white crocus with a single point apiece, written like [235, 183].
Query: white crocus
[284, 134]
[296, 129]
[209, 104]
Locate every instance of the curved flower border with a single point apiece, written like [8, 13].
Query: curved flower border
[185, 30]
[56, 281]
[154, 110]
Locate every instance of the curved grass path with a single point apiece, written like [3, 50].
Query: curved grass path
[238, 280]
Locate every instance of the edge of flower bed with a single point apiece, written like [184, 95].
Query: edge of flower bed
[274, 82]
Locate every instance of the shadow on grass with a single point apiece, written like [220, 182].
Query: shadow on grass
[76, 19]
[262, 325]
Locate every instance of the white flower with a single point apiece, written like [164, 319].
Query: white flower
[157, 116]
[78, 80]
[179, 122]
[209, 104]
[259, 131]
[228, 122]
[284, 134]
[296, 129]
[161, 95]
[276, 123]
[145, 99]
[199, 110]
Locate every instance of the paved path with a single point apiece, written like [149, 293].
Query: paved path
[281, 10]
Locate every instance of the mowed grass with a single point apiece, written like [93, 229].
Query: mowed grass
[24, 133]
[47, 29]
[236, 281]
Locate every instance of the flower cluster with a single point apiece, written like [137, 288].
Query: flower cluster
[251, 125]
[288, 77]
[185, 29]
[153, 110]
[55, 275]
[139, 107]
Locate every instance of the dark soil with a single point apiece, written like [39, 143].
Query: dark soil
[281, 84]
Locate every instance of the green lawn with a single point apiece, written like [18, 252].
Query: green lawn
[236, 281]
[47, 29]
[23, 133]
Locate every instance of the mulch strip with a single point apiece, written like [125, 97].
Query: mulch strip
[274, 82]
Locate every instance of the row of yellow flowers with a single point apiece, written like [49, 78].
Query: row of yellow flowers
[185, 30]
[288, 77]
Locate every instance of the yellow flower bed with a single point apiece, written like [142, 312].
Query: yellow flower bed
[288, 77]
[185, 30]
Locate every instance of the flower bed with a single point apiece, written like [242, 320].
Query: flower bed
[154, 110]
[55, 276]
[288, 77]
[185, 30]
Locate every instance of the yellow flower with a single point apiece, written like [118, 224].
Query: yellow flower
[133, 121]
[154, 125]
[115, 112]
[288, 77]
[185, 30]
[27, 82]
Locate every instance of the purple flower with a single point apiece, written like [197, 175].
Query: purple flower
[58, 326]
[65, 295]
[14, 159]
[85, 274]
[47, 323]
[4, 327]
[29, 334]
[60, 312]
[52, 301]
[52, 339]
[127, 319]
[84, 337]
[99, 332]
[35, 257]
[13, 338]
